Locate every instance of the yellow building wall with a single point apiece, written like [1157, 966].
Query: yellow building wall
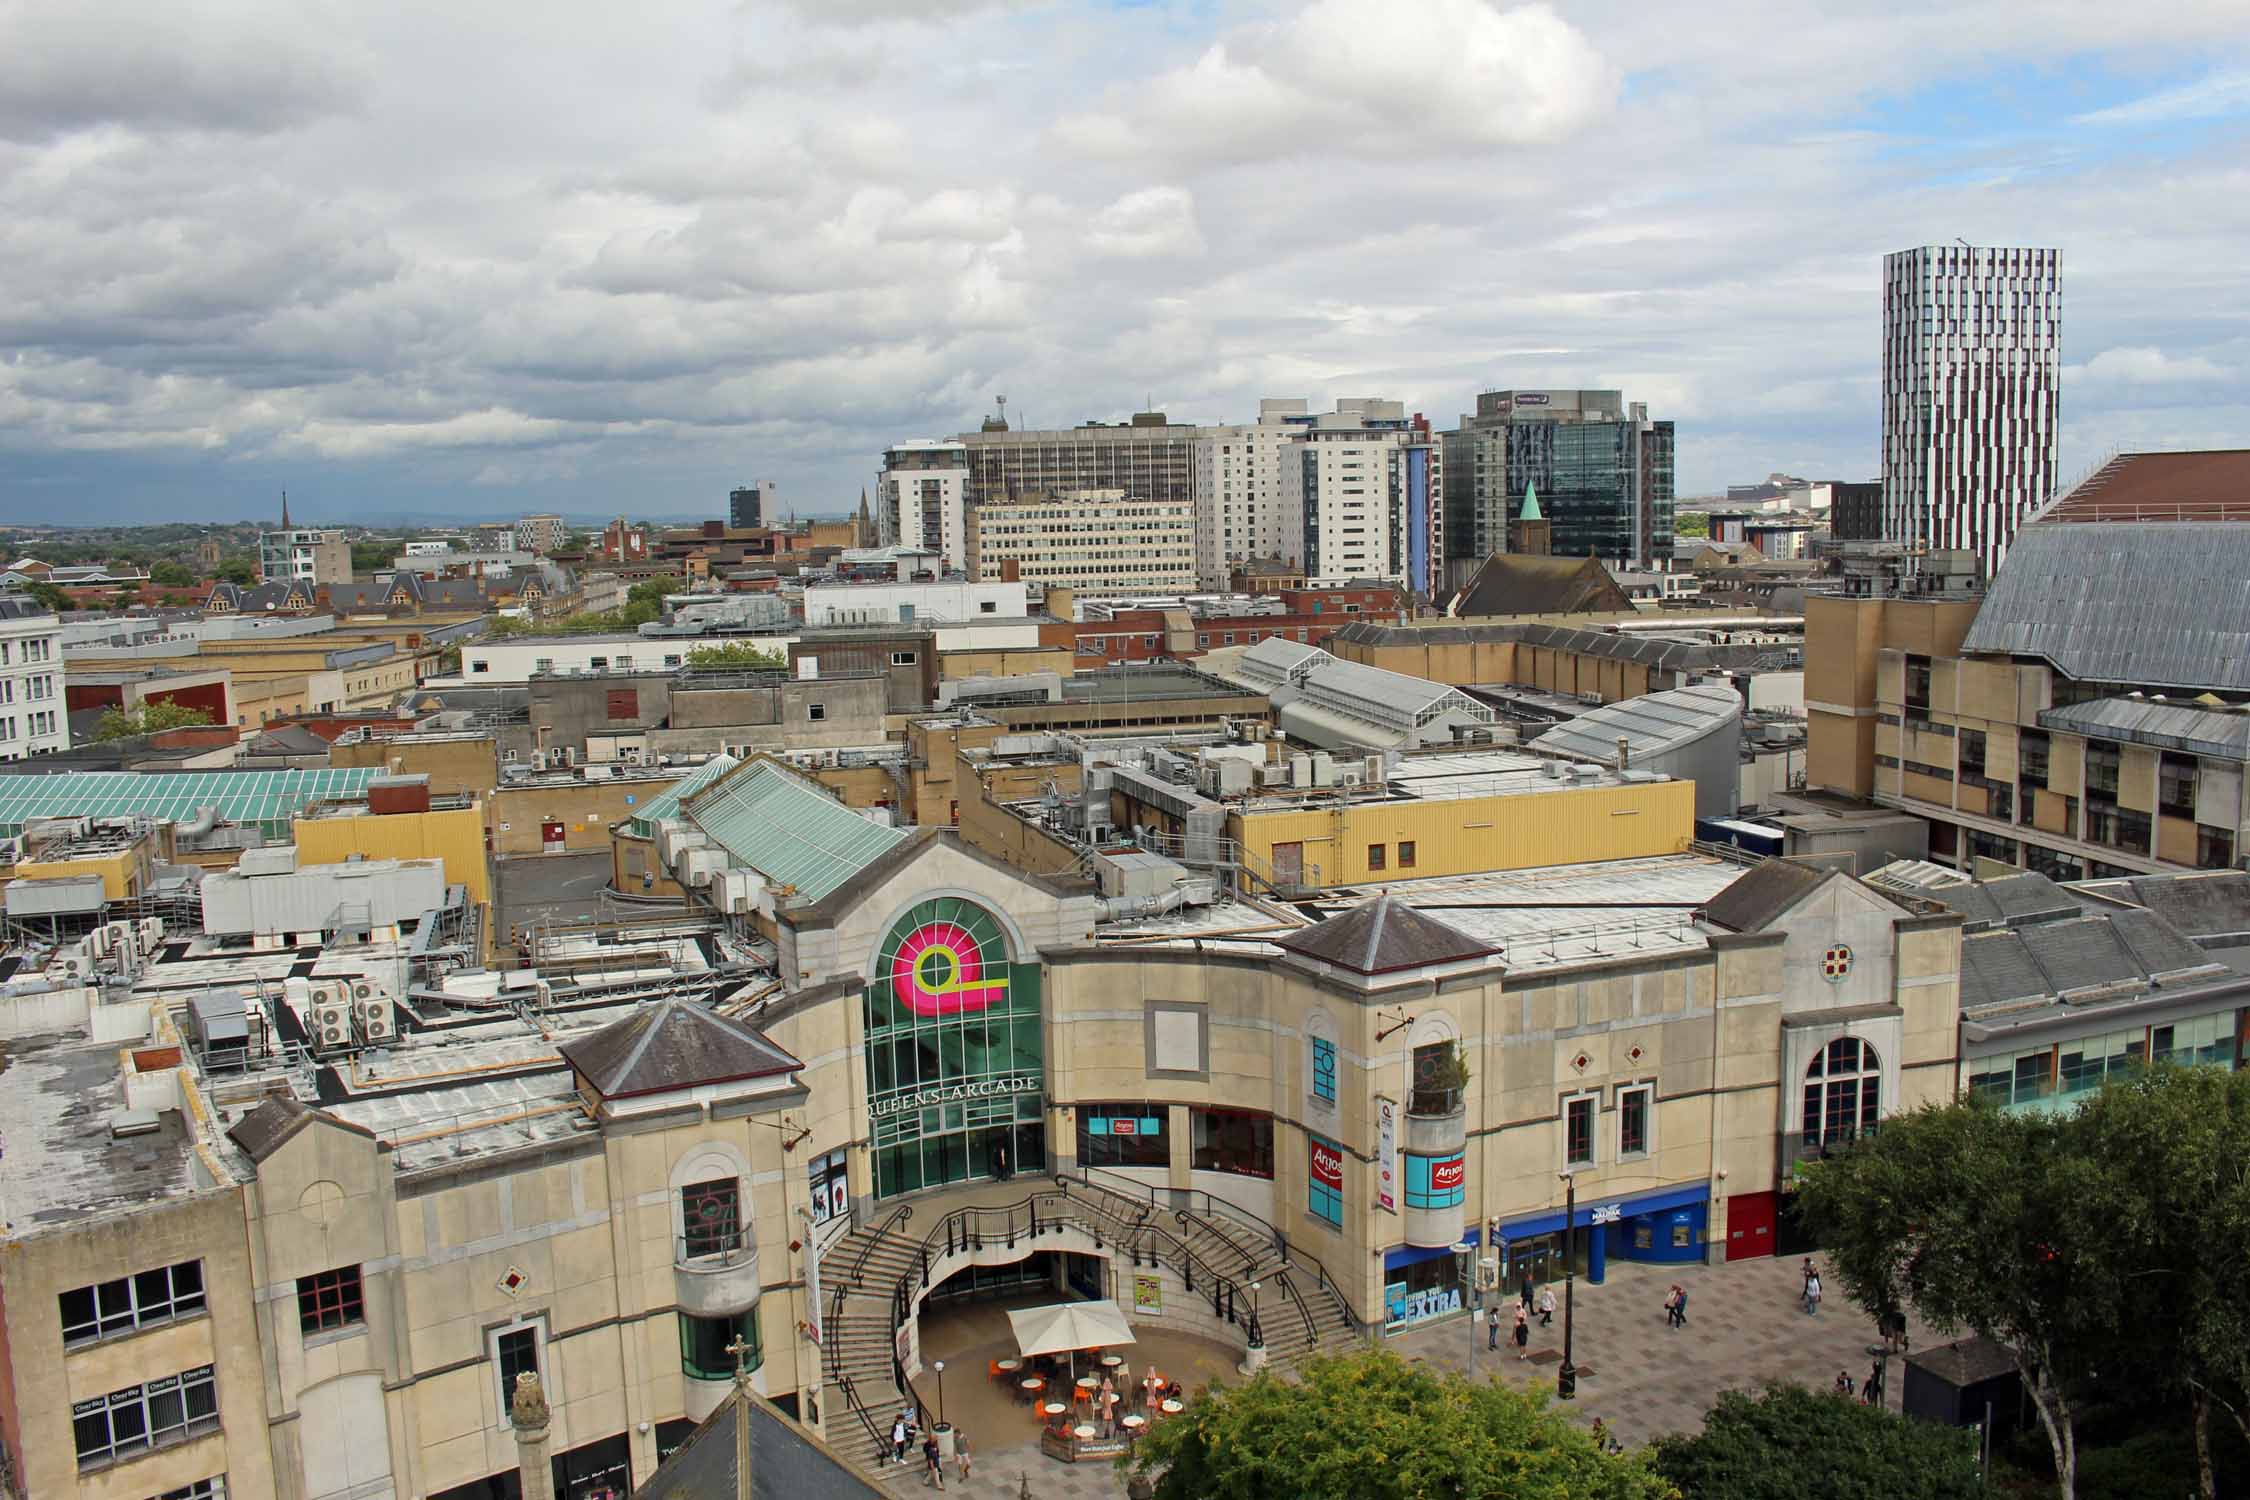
[587, 811]
[122, 873]
[470, 766]
[959, 664]
[1474, 834]
[453, 835]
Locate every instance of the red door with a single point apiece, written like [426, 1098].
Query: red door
[1749, 1225]
[551, 836]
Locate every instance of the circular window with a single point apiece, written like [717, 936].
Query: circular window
[1836, 963]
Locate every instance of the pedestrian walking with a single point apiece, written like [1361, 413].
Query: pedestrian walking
[1671, 1302]
[1812, 1295]
[1547, 1307]
[933, 1466]
[898, 1438]
[1679, 1305]
[1872, 1392]
[1491, 1328]
[1843, 1383]
[1523, 1330]
[1526, 1298]
[961, 1452]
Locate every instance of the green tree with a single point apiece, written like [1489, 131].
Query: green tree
[1978, 1218]
[1788, 1443]
[49, 595]
[238, 570]
[1691, 523]
[737, 655]
[147, 718]
[1368, 1425]
[2183, 1215]
[171, 575]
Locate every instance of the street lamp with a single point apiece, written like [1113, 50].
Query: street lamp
[1566, 1378]
[939, 1366]
[1465, 1270]
[1257, 1334]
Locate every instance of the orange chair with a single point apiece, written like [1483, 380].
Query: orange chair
[992, 1371]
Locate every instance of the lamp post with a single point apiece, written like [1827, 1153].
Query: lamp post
[1465, 1271]
[1566, 1378]
[939, 1366]
[1257, 1334]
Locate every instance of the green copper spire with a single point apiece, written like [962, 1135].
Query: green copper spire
[1531, 504]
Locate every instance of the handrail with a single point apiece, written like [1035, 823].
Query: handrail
[877, 1235]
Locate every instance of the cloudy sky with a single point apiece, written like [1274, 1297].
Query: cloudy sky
[479, 258]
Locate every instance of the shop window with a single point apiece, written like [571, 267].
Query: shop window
[1324, 1189]
[711, 1217]
[1324, 1070]
[1234, 1140]
[1435, 1181]
[1123, 1135]
[330, 1300]
[1843, 1093]
[1578, 1131]
[1632, 1121]
[145, 1300]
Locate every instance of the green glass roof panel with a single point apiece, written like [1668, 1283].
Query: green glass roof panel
[788, 829]
[269, 798]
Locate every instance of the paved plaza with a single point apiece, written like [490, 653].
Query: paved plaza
[1745, 1326]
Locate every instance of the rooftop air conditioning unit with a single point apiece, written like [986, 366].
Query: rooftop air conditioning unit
[121, 937]
[73, 966]
[375, 1018]
[331, 1025]
[569, 755]
[152, 932]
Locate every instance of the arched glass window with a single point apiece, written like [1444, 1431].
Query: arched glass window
[1843, 1092]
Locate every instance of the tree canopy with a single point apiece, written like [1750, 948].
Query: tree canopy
[241, 571]
[171, 575]
[2105, 1241]
[147, 718]
[1368, 1425]
[48, 595]
[1787, 1443]
[738, 654]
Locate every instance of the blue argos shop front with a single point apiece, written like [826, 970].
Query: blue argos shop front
[1663, 1224]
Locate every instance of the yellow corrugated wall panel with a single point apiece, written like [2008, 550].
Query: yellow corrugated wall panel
[454, 835]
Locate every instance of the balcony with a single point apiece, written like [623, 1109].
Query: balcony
[715, 1275]
[701, 1391]
[1436, 1121]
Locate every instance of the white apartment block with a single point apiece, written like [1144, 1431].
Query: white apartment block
[33, 717]
[1238, 512]
[1344, 516]
[1094, 542]
[922, 499]
[942, 602]
[542, 533]
[1972, 341]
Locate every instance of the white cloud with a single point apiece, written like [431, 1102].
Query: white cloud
[1344, 78]
[450, 259]
[2211, 98]
[2144, 365]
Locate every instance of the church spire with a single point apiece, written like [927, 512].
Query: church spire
[284, 510]
[1531, 504]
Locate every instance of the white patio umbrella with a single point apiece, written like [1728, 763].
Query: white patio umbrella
[1069, 1325]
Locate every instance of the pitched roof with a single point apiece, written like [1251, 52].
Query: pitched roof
[673, 1044]
[274, 1123]
[1764, 892]
[1514, 583]
[787, 1461]
[666, 804]
[787, 828]
[1530, 511]
[2156, 606]
[1382, 936]
[1650, 724]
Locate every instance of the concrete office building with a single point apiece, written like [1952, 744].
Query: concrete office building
[313, 557]
[922, 499]
[1972, 344]
[1092, 542]
[1149, 456]
[1602, 470]
[542, 534]
[751, 505]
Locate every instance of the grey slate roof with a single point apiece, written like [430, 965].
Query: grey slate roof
[2207, 904]
[2124, 951]
[1381, 936]
[2164, 606]
[1763, 892]
[2166, 726]
[673, 1044]
[1510, 583]
[272, 1124]
[786, 1461]
[1612, 645]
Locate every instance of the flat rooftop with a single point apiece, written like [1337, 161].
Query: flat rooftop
[58, 1097]
[1544, 918]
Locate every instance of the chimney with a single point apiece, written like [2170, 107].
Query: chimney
[1624, 752]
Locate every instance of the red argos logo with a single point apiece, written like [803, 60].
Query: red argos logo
[1445, 1176]
[1327, 1165]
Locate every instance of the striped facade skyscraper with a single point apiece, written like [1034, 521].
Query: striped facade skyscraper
[1972, 342]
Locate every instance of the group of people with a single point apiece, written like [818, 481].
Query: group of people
[1544, 1305]
[1868, 1394]
[1675, 1306]
[907, 1427]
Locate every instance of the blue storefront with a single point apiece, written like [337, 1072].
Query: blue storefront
[1663, 1224]
[1421, 1283]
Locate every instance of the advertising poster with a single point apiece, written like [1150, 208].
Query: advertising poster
[1386, 1155]
[1148, 1294]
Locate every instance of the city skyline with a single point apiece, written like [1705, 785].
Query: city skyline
[648, 266]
